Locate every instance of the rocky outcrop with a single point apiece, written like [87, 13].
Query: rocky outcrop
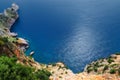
[107, 65]
[97, 70]
[10, 44]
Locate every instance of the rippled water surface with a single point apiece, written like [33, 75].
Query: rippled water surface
[75, 32]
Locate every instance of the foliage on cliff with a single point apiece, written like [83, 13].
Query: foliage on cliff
[10, 70]
[14, 65]
[107, 65]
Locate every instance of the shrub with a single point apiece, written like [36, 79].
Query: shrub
[10, 70]
[105, 68]
[89, 70]
[96, 64]
[43, 74]
[113, 65]
[95, 68]
[112, 71]
[118, 53]
[119, 71]
[53, 64]
[109, 60]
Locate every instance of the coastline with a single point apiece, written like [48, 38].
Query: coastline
[58, 70]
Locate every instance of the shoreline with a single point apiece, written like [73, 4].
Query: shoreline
[59, 71]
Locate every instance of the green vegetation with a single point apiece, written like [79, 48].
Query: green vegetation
[119, 71]
[2, 41]
[114, 65]
[43, 74]
[112, 71]
[118, 53]
[89, 70]
[53, 64]
[10, 70]
[107, 65]
[96, 64]
[95, 69]
[66, 72]
[66, 67]
[12, 39]
[109, 60]
[105, 68]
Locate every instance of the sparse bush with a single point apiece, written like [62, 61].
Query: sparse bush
[96, 64]
[105, 68]
[89, 70]
[109, 60]
[53, 64]
[119, 71]
[112, 71]
[113, 65]
[95, 69]
[66, 72]
[118, 53]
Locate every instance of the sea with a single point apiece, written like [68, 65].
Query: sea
[75, 32]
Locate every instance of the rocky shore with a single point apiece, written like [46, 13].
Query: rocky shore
[11, 45]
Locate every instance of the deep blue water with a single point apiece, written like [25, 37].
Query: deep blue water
[75, 32]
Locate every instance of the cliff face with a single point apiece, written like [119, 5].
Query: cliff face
[11, 45]
[102, 69]
[107, 65]
[6, 39]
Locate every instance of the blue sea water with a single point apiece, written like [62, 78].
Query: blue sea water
[75, 32]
